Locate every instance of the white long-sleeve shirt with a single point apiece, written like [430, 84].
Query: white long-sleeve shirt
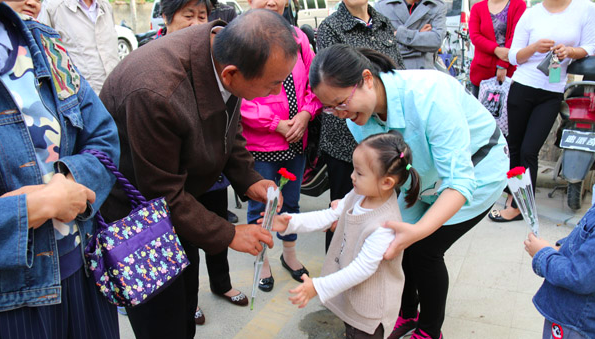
[360, 269]
[574, 27]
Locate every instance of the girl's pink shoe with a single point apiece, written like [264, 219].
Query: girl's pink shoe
[403, 327]
[420, 334]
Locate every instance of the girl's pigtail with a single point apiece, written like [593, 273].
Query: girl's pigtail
[413, 191]
[405, 169]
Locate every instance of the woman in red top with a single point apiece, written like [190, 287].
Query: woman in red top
[491, 28]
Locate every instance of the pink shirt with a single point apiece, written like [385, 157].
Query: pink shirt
[261, 116]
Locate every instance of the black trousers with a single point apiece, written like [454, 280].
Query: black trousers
[426, 276]
[217, 264]
[475, 90]
[339, 175]
[170, 314]
[531, 115]
[353, 333]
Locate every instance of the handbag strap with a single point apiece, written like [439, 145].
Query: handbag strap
[136, 198]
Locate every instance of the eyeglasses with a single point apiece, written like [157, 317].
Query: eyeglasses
[340, 107]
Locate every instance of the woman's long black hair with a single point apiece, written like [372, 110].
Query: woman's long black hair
[342, 65]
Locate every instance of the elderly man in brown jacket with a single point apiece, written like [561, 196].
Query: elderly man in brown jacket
[176, 103]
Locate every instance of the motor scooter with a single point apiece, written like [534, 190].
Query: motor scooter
[578, 132]
[141, 38]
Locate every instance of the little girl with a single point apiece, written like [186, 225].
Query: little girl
[567, 296]
[356, 284]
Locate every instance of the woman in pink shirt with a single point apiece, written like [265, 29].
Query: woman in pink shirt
[275, 128]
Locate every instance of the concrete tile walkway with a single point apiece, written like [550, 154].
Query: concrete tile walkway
[491, 284]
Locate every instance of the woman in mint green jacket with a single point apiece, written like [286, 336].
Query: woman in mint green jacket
[457, 149]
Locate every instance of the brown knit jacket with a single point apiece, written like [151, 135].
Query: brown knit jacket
[378, 299]
[176, 133]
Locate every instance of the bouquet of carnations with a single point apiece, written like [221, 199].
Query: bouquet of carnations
[267, 223]
[519, 183]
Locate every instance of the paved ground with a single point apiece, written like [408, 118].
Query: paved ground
[491, 284]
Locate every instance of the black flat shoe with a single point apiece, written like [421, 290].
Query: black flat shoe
[232, 217]
[297, 274]
[497, 217]
[239, 299]
[266, 284]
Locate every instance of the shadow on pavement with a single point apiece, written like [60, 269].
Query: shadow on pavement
[322, 325]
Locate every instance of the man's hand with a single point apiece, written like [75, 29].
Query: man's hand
[502, 53]
[258, 192]
[501, 75]
[534, 244]
[426, 28]
[298, 125]
[248, 237]
[304, 292]
[543, 45]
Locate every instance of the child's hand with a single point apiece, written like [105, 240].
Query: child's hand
[534, 244]
[304, 292]
[334, 205]
[280, 222]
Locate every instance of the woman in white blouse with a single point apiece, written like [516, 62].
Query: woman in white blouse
[567, 28]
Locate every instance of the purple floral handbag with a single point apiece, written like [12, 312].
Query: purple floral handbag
[133, 258]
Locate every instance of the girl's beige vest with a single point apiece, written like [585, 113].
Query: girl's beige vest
[377, 300]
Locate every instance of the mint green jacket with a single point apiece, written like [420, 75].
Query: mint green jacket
[454, 140]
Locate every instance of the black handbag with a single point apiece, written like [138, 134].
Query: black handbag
[544, 65]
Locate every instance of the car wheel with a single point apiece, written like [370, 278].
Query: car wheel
[123, 48]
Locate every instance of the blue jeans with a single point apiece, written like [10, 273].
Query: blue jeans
[291, 190]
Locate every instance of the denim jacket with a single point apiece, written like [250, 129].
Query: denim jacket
[567, 295]
[29, 260]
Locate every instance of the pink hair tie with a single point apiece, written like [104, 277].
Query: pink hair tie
[402, 155]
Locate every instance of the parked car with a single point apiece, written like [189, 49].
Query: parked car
[157, 19]
[457, 14]
[126, 41]
[312, 12]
